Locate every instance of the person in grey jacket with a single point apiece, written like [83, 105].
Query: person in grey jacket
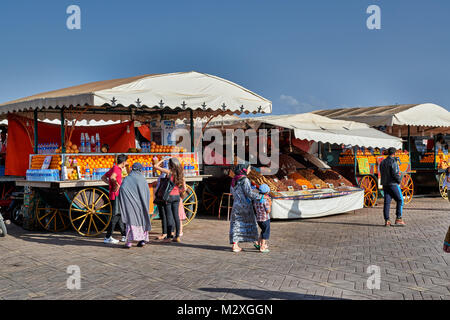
[391, 180]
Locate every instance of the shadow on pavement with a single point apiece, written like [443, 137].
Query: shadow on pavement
[347, 223]
[198, 246]
[63, 238]
[266, 295]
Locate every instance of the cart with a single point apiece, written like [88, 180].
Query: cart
[85, 205]
[363, 171]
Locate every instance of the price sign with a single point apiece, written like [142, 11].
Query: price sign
[304, 187]
[290, 188]
[342, 184]
[317, 186]
[330, 185]
[47, 161]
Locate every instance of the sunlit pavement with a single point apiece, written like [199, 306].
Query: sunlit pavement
[334, 257]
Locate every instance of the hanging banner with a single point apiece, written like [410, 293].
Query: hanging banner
[363, 165]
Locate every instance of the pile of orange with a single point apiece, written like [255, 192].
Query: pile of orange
[38, 160]
[70, 148]
[428, 158]
[155, 148]
[94, 162]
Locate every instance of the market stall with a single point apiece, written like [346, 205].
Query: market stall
[63, 164]
[420, 125]
[305, 186]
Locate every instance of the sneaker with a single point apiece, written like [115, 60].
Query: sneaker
[177, 239]
[110, 240]
[387, 223]
[399, 222]
[124, 239]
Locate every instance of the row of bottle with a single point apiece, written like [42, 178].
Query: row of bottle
[42, 175]
[146, 147]
[90, 144]
[47, 148]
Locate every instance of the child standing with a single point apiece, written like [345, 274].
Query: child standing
[262, 210]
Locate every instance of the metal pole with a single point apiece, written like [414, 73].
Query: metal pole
[35, 131]
[191, 114]
[63, 147]
[409, 140]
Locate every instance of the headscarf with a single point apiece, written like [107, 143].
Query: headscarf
[137, 167]
[240, 172]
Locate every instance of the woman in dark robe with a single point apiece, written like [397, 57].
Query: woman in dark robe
[243, 227]
[134, 203]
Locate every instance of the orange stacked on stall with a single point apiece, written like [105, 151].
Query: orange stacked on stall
[155, 148]
[38, 160]
[347, 157]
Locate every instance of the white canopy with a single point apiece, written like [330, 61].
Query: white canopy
[309, 126]
[200, 92]
[426, 114]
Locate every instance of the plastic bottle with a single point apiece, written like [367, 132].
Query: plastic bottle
[87, 145]
[82, 145]
[92, 144]
[87, 175]
[97, 143]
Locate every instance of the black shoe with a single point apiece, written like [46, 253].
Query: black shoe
[141, 243]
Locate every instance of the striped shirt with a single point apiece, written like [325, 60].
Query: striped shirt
[263, 209]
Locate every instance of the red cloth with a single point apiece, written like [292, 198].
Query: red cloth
[115, 169]
[304, 145]
[145, 131]
[21, 140]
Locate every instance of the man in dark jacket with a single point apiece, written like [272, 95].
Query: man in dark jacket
[391, 180]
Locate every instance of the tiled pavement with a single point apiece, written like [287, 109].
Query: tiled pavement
[324, 258]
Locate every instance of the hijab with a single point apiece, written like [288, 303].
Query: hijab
[240, 172]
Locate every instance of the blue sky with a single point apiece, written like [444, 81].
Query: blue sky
[302, 55]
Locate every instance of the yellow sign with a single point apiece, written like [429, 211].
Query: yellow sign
[363, 165]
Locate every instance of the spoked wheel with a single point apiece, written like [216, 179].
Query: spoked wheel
[370, 187]
[51, 219]
[190, 204]
[407, 187]
[209, 201]
[442, 188]
[90, 212]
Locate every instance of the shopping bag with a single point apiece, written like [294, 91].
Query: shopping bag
[162, 193]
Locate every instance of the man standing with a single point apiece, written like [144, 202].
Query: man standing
[114, 178]
[391, 180]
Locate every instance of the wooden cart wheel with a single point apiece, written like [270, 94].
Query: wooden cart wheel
[209, 201]
[90, 212]
[407, 187]
[370, 187]
[190, 204]
[51, 219]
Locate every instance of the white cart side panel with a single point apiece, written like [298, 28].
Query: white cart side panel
[294, 209]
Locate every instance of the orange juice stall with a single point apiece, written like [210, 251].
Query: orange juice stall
[63, 161]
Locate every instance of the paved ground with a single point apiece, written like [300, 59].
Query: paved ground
[325, 258]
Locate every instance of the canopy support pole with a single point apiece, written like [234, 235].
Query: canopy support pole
[409, 140]
[191, 115]
[63, 132]
[35, 131]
